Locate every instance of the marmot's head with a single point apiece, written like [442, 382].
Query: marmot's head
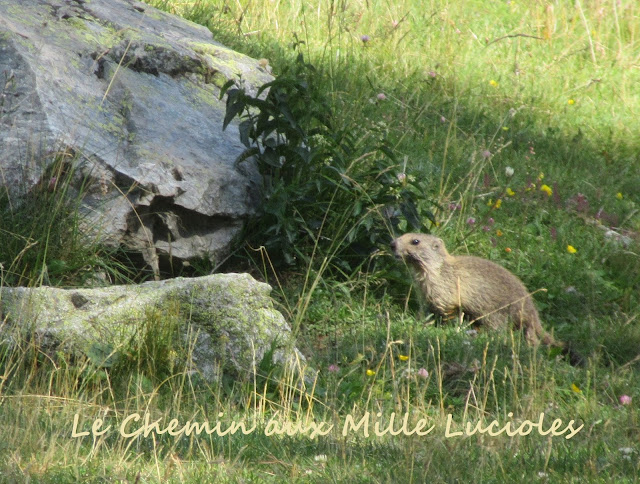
[420, 250]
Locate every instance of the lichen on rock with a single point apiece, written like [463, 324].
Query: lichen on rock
[226, 320]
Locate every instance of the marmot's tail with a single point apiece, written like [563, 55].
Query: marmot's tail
[574, 358]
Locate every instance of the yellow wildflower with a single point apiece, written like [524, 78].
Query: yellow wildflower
[571, 102]
[546, 189]
[507, 249]
[619, 196]
[575, 388]
[403, 357]
[571, 249]
[498, 203]
[499, 233]
[510, 192]
[493, 83]
[370, 372]
[505, 128]
[490, 202]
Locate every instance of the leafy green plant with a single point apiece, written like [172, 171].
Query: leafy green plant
[336, 189]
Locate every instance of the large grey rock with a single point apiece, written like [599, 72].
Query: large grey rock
[225, 322]
[129, 94]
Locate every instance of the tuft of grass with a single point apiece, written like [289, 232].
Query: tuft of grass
[43, 234]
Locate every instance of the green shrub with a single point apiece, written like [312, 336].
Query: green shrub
[328, 189]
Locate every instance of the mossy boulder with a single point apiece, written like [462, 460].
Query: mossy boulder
[224, 323]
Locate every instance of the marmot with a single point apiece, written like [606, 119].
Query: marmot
[482, 289]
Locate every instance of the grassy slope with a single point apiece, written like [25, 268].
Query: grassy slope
[459, 110]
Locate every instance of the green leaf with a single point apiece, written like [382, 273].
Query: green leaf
[233, 110]
[245, 132]
[102, 355]
[410, 212]
[246, 154]
[387, 151]
[226, 86]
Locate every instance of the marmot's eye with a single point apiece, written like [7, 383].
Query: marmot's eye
[415, 241]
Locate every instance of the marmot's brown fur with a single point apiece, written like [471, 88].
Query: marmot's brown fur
[485, 291]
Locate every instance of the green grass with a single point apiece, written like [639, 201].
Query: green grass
[43, 235]
[470, 88]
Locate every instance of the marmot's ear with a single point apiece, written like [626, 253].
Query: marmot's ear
[435, 245]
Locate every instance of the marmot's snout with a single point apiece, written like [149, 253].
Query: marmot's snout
[400, 248]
